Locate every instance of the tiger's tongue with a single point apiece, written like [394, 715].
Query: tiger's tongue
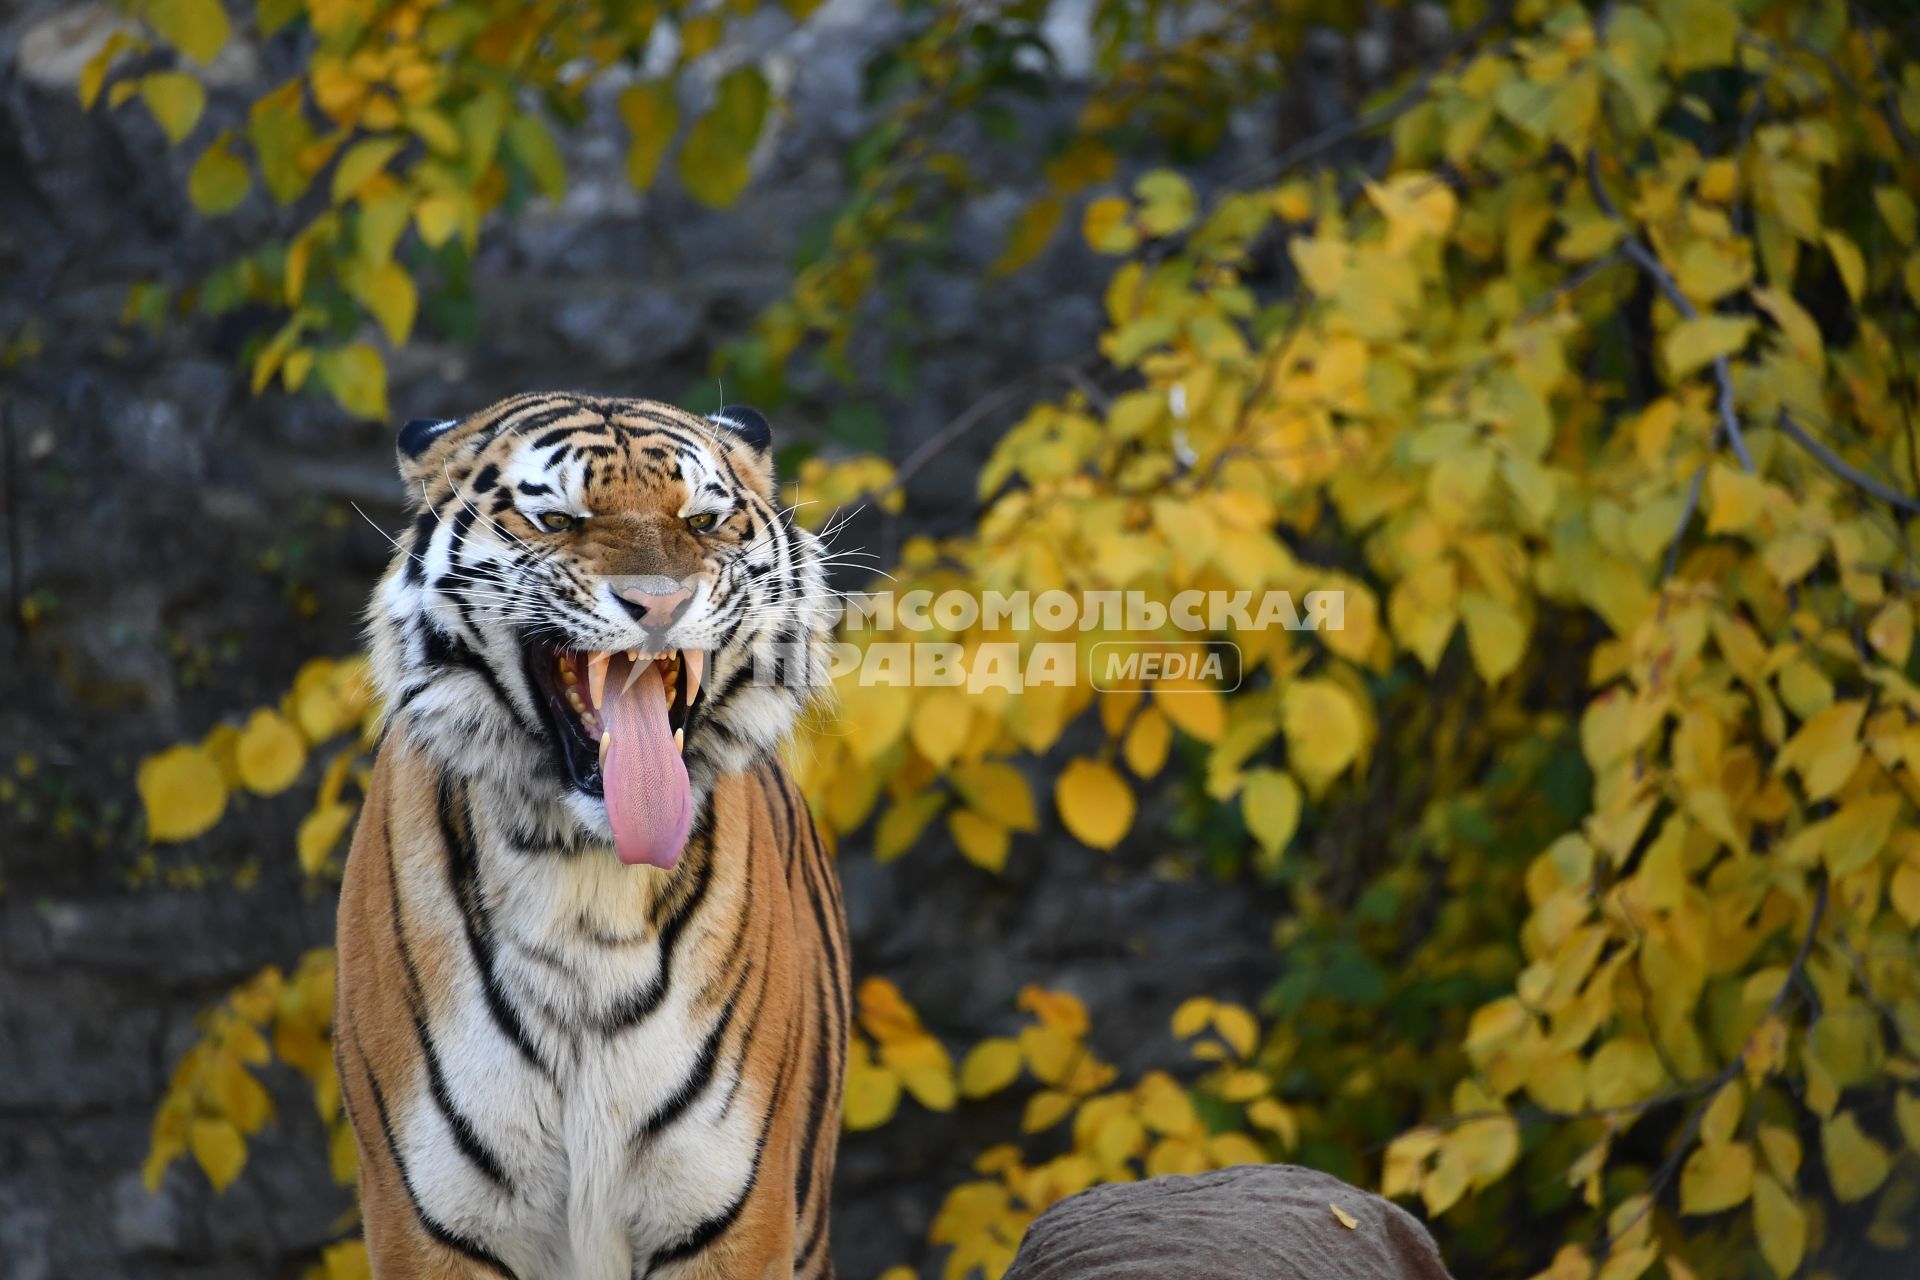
[648, 800]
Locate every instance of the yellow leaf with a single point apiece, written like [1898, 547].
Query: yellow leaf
[270, 753]
[1242, 1086]
[1693, 344]
[1624, 1071]
[1271, 802]
[1046, 1109]
[1722, 1115]
[220, 1149]
[1716, 1178]
[1192, 1017]
[940, 725]
[651, 115]
[1446, 1183]
[387, 292]
[872, 1094]
[1891, 632]
[1344, 1218]
[1847, 260]
[1147, 743]
[1323, 729]
[197, 28]
[1095, 802]
[347, 1261]
[1826, 749]
[93, 76]
[1906, 1113]
[900, 826]
[361, 161]
[1496, 635]
[176, 101]
[1735, 499]
[219, 180]
[438, 217]
[995, 787]
[989, 1067]
[182, 791]
[320, 831]
[356, 377]
[1237, 1027]
[1107, 225]
[1166, 202]
[1851, 837]
[1856, 1164]
[982, 841]
[1779, 1224]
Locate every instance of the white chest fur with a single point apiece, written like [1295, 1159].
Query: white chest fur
[579, 1120]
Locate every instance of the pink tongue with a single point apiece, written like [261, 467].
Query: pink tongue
[648, 800]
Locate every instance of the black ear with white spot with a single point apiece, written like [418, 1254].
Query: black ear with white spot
[748, 424]
[420, 433]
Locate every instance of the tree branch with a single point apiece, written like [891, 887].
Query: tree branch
[1846, 470]
[1650, 264]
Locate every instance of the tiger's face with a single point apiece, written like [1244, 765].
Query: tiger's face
[599, 609]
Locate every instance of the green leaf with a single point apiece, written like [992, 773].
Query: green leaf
[529, 142]
[357, 378]
[280, 134]
[176, 101]
[364, 159]
[652, 117]
[480, 121]
[713, 161]
[1030, 234]
[219, 180]
[379, 227]
[197, 28]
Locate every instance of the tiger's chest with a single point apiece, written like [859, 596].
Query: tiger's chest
[583, 1116]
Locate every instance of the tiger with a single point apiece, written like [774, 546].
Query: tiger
[592, 1004]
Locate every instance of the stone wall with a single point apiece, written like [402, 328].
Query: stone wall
[187, 546]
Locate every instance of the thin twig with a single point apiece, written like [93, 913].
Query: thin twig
[1844, 469]
[975, 414]
[1647, 261]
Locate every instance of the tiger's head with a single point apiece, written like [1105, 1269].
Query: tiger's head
[599, 609]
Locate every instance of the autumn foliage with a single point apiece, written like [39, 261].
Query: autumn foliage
[1596, 819]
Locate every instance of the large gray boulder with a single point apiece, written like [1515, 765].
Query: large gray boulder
[1270, 1221]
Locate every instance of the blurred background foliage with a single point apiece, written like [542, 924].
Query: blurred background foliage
[1578, 360]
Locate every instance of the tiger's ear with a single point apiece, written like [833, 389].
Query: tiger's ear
[755, 456]
[416, 441]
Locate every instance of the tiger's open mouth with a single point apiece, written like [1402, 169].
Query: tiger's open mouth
[619, 721]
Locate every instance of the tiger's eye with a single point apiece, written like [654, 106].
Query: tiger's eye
[557, 521]
[702, 522]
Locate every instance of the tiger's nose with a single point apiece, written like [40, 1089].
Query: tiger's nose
[654, 603]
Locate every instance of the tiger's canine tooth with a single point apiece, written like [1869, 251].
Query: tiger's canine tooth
[694, 662]
[680, 741]
[597, 675]
[606, 742]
